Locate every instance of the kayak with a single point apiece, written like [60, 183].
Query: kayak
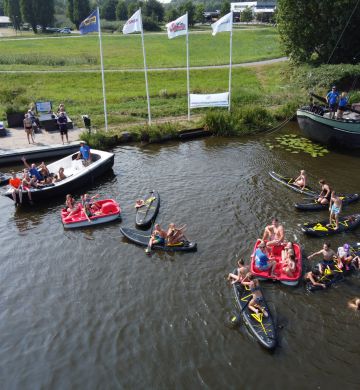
[4, 179]
[148, 211]
[320, 229]
[261, 327]
[355, 248]
[289, 182]
[314, 205]
[142, 238]
[109, 211]
[275, 254]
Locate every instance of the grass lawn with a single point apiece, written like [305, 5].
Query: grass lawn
[126, 99]
[125, 52]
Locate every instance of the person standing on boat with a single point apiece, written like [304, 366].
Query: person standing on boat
[84, 153]
[335, 209]
[343, 101]
[332, 100]
[325, 194]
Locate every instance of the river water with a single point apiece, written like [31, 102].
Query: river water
[87, 309]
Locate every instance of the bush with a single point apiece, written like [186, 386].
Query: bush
[150, 24]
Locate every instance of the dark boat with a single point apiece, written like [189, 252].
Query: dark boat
[261, 327]
[320, 229]
[317, 126]
[148, 212]
[355, 248]
[314, 205]
[4, 179]
[328, 280]
[142, 238]
[77, 175]
[289, 182]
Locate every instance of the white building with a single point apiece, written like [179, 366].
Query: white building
[261, 6]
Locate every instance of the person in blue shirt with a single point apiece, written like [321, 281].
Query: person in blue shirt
[33, 171]
[332, 100]
[343, 101]
[262, 262]
[84, 153]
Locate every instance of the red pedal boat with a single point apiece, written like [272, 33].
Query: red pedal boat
[108, 210]
[274, 253]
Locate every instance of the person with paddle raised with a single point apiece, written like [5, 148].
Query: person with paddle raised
[158, 236]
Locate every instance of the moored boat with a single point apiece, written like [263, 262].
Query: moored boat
[4, 179]
[77, 175]
[142, 238]
[319, 127]
[281, 276]
[321, 229]
[314, 205]
[260, 326]
[109, 211]
[289, 182]
[147, 213]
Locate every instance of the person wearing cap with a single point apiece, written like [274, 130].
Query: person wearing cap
[345, 256]
[62, 123]
[332, 100]
[84, 153]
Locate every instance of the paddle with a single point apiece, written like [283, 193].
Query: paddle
[322, 99]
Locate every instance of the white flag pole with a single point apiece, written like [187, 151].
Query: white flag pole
[102, 71]
[187, 64]
[145, 69]
[230, 66]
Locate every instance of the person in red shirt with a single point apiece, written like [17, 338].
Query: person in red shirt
[15, 187]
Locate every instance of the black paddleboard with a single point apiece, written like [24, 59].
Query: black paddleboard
[320, 229]
[142, 238]
[289, 182]
[314, 205]
[148, 212]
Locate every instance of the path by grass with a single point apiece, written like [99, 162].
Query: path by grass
[124, 52]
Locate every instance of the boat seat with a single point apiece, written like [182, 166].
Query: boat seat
[108, 208]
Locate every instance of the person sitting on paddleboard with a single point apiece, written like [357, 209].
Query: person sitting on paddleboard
[354, 304]
[158, 236]
[301, 180]
[139, 203]
[262, 262]
[274, 233]
[328, 257]
[325, 194]
[335, 209]
[175, 234]
[314, 278]
[242, 271]
[257, 300]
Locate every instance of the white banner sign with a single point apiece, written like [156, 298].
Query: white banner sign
[177, 27]
[223, 24]
[210, 100]
[133, 24]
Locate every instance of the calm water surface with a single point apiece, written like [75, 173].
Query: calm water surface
[86, 309]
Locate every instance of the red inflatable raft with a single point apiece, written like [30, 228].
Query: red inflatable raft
[105, 210]
[274, 253]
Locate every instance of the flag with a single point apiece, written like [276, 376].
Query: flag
[133, 24]
[223, 24]
[90, 24]
[178, 27]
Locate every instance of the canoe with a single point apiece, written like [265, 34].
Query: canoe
[109, 211]
[261, 327]
[320, 229]
[148, 212]
[289, 182]
[142, 238]
[314, 205]
[4, 179]
[275, 254]
[77, 176]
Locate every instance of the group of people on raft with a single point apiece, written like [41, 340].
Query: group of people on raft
[87, 204]
[327, 196]
[174, 235]
[274, 235]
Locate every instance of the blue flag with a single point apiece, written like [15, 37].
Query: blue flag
[90, 24]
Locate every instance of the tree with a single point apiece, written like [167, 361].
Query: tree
[12, 9]
[108, 10]
[171, 14]
[37, 12]
[310, 30]
[155, 10]
[121, 11]
[225, 8]
[190, 9]
[246, 15]
[199, 13]
[78, 10]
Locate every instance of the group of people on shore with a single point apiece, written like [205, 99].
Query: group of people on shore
[33, 177]
[327, 196]
[274, 235]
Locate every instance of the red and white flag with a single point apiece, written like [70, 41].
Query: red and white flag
[134, 24]
[178, 27]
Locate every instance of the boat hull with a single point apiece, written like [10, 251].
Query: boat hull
[331, 132]
[93, 222]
